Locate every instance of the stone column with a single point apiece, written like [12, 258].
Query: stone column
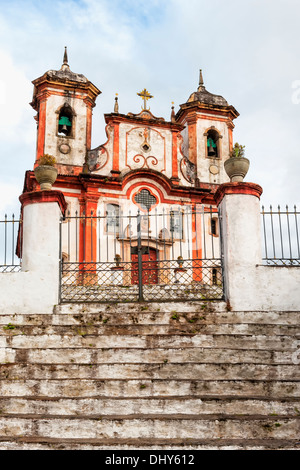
[241, 241]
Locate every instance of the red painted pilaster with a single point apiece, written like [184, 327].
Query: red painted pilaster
[175, 178]
[41, 129]
[116, 150]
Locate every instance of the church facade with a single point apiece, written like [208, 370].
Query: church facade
[140, 207]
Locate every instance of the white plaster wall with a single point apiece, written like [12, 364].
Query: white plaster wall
[249, 285]
[35, 289]
[28, 292]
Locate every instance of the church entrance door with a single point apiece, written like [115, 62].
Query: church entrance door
[149, 267]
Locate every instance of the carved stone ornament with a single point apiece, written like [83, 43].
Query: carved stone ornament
[214, 170]
[97, 158]
[65, 149]
[188, 170]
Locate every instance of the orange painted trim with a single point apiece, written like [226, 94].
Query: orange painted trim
[36, 197]
[116, 148]
[192, 133]
[197, 245]
[237, 188]
[230, 135]
[89, 114]
[41, 130]
[88, 226]
[174, 155]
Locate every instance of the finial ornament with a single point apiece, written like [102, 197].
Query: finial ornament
[66, 56]
[173, 113]
[65, 65]
[201, 81]
[146, 96]
[116, 108]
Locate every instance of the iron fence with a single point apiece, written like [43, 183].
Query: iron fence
[168, 255]
[9, 233]
[281, 236]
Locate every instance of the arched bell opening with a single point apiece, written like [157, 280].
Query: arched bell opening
[66, 118]
[213, 147]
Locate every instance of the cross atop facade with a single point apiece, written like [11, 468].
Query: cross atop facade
[146, 96]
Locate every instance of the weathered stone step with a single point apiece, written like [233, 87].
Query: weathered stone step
[158, 427]
[114, 315]
[87, 388]
[81, 340]
[173, 328]
[137, 355]
[149, 406]
[170, 306]
[188, 371]
[38, 443]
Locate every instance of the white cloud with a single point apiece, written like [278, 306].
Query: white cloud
[14, 88]
[248, 50]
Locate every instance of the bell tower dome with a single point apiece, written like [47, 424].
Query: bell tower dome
[64, 101]
[207, 137]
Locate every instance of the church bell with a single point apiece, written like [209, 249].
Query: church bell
[65, 123]
[211, 151]
[211, 147]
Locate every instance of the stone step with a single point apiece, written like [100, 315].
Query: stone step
[87, 388]
[128, 444]
[82, 340]
[96, 314]
[160, 356]
[62, 406]
[151, 426]
[173, 328]
[162, 371]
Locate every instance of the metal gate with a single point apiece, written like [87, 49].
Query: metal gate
[143, 256]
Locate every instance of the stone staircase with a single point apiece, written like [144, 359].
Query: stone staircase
[149, 376]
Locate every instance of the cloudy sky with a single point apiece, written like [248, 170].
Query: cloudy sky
[249, 52]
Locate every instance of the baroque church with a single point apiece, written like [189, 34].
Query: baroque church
[162, 174]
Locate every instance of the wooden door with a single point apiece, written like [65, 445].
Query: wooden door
[149, 268]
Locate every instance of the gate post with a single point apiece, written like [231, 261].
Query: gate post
[239, 209]
[42, 211]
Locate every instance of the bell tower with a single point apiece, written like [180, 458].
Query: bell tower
[207, 137]
[64, 101]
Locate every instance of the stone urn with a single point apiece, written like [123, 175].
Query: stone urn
[45, 172]
[237, 165]
[236, 168]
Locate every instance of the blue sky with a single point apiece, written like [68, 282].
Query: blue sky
[248, 50]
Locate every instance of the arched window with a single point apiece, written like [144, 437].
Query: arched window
[176, 224]
[214, 226]
[212, 143]
[65, 121]
[112, 218]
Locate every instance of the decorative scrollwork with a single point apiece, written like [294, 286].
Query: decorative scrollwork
[142, 159]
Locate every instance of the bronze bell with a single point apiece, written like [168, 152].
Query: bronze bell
[211, 151]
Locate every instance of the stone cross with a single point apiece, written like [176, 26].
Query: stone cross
[146, 96]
